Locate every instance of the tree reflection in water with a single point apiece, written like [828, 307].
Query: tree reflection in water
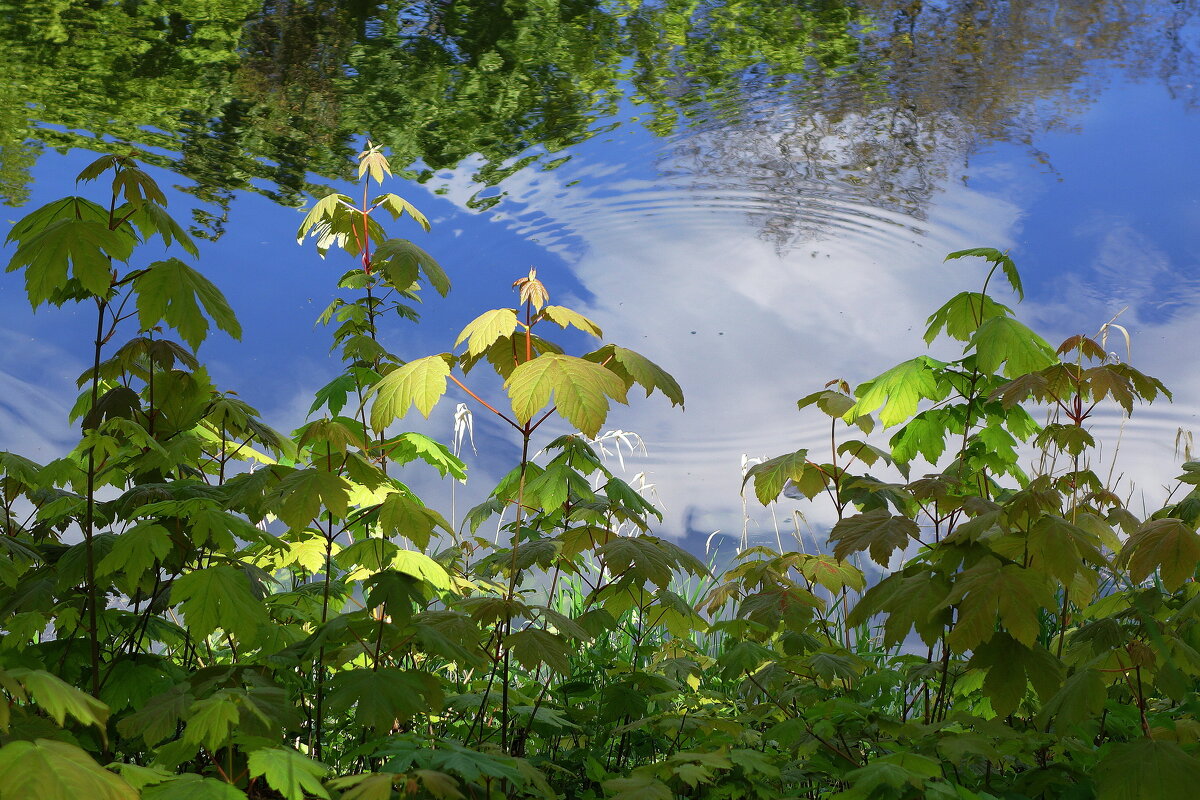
[812, 104]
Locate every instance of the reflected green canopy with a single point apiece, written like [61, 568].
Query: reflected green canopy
[273, 97]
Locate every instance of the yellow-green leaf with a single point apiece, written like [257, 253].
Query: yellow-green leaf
[421, 383]
[219, 597]
[564, 316]
[581, 390]
[481, 332]
[901, 388]
[48, 770]
[634, 368]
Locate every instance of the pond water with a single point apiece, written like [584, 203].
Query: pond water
[756, 195]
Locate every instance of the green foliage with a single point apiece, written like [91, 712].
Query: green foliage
[196, 606]
[56, 771]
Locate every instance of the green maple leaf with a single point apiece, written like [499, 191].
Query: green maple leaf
[913, 599]
[410, 446]
[219, 597]
[1081, 699]
[998, 258]
[402, 262]
[924, 435]
[136, 550]
[1062, 549]
[834, 404]
[1146, 769]
[633, 368]
[303, 493]
[581, 390]
[533, 647]
[211, 720]
[1004, 340]
[990, 589]
[1010, 667]
[402, 515]
[193, 787]
[481, 332]
[369, 786]
[771, 476]
[172, 292]
[832, 573]
[423, 567]
[1071, 439]
[421, 383]
[563, 317]
[638, 788]
[333, 394]
[397, 206]
[962, 315]
[60, 699]
[291, 773]
[381, 697]
[1103, 381]
[335, 222]
[65, 208]
[901, 388]
[158, 717]
[82, 248]
[1169, 545]
[152, 218]
[878, 531]
[49, 770]
[648, 558]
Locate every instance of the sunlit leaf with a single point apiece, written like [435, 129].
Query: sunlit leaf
[219, 597]
[481, 332]
[397, 206]
[49, 770]
[60, 699]
[421, 383]
[901, 388]
[634, 368]
[581, 390]
[771, 476]
[962, 315]
[564, 316]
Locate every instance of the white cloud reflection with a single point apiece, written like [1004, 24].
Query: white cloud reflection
[747, 330]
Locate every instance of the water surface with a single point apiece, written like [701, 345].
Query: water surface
[758, 196]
